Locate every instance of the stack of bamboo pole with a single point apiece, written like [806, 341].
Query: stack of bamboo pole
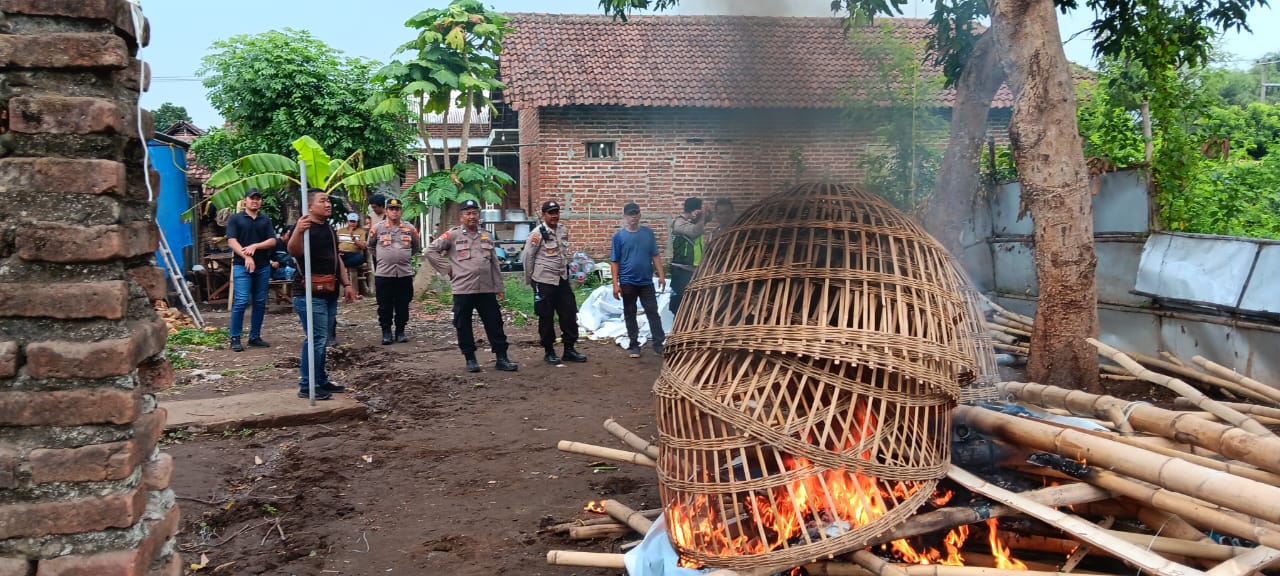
[1010, 331]
[1197, 468]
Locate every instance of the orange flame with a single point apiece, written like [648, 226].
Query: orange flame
[903, 551]
[940, 499]
[593, 506]
[1004, 560]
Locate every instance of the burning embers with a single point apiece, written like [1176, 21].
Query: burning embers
[805, 400]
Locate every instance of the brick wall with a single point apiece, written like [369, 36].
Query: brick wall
[83, 490]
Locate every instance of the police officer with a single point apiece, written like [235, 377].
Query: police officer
[394, 244]
[546, 268]
[467, 255]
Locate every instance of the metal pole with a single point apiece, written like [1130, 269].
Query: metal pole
[306, 283]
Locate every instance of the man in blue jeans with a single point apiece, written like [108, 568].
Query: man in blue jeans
[633, 260]
[325, 262]
[251, 238]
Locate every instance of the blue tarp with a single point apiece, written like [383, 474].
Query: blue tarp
[171, 199]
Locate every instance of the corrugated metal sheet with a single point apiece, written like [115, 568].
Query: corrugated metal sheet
[1211, 270]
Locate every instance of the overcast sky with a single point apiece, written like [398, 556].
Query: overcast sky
[182, 31]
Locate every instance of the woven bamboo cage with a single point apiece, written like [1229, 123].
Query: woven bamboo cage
[804, 404]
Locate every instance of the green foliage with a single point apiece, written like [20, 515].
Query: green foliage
[168, 114]
[182, 341]
[272, 87]
[465, 181]
[1003, 168]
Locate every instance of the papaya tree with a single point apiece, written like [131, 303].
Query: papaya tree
[275, 174]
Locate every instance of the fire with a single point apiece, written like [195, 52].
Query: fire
[594, 506]
[953, 542]
[940, 499]
[1001, 552]
[817, 505]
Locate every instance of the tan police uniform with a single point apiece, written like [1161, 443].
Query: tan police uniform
[470, 259]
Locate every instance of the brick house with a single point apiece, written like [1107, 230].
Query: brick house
[661, 108]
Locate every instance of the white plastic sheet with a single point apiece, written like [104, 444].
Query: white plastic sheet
[655, 556]
[601, 315]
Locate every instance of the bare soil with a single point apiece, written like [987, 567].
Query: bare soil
[451, 473]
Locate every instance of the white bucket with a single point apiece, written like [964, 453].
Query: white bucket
[520, 232]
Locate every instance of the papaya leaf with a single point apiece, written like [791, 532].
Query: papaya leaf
[445, 77]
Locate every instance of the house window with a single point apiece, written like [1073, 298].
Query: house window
[602, 149]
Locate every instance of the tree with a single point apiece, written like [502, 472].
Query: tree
[277, 85]
[168, 114]
[1046, 141]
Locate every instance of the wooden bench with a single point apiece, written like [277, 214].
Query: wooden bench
[282, 290]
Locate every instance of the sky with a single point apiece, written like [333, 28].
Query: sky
[182, 32]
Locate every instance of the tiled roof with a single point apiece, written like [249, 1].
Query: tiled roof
[697, 61]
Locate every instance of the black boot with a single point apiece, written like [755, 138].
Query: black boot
[400, 337]
[472, 365]
[551, 357]
[573, 355]
[505, 364]
[386, 336]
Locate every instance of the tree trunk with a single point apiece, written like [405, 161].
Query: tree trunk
[1055, 185]
[951, 205]
[465, 141]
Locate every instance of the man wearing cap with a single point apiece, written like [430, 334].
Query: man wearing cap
[251, 237]
[633, 260]
[394, 244]
[546, 268]
[467, 255]
[686, 248]
[351, 245]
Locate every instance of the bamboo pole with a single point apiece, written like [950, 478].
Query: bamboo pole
[1171, 357]
[1167, 524]
[1023, 350]
[1243, 408]
[1078, 527]
[627, 516]
[1268, 393]
[1029, 321]
[995, 325]
[1247, 563]
[606, 453]
[598, 531]
[1173, 474]
[1182, 388]
[1188, 372]
[587, 559]
[1001, 336]
[1190, 548]
[564, 527]
[1079, 554]
[1232, 442]
[631, 439]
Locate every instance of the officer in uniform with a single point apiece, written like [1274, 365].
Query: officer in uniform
[394, 244]
[546, 268]
[467, 254]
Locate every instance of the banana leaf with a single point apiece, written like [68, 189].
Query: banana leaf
[233, 192]
[250, 165]
[317, 160]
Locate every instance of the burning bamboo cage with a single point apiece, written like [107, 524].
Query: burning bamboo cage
[804, 404]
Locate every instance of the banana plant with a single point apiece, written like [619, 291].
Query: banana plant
[274, 173]
[465, 181]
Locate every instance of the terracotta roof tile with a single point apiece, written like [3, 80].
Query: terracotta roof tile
[695, 61]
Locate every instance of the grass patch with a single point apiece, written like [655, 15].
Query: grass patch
[184, 340]
[178, 359]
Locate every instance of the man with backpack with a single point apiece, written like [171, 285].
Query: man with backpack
[546, 268]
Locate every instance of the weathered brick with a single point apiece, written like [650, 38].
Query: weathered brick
[67, 115]
[68, 301]
[120, 510]
[61, 176]
[158, 472]
[102, 359]
[155, 374]
[69, 407]
[152, 280]
[65, 243]
[115, 11]
[8, 468]
[15, 567]
[8, 359]
[63, 50]
[171, 568]
[98, 462]
[119, 563]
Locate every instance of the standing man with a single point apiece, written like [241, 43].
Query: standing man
[724, 217]
[328, 277]
[686, 248]
[546, 268]
[466, 254]
[352, 241]
[633, 259]
[251, 237]
[394, 244]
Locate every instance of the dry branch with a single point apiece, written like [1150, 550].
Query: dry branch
[1182, 388]
[631, 439]
[588, 559]
[1232, 442]
[1078, 527]
[606, 453]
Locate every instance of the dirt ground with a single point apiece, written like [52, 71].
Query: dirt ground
[451, 473]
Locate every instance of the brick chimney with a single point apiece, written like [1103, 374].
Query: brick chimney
[83, 490]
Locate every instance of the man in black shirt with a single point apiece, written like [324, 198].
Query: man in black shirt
[314, 228]
[251, 238]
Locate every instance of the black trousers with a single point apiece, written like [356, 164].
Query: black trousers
[490, 315]
[649, 299]
[394, 296]
[679, 281]
[556, 299]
